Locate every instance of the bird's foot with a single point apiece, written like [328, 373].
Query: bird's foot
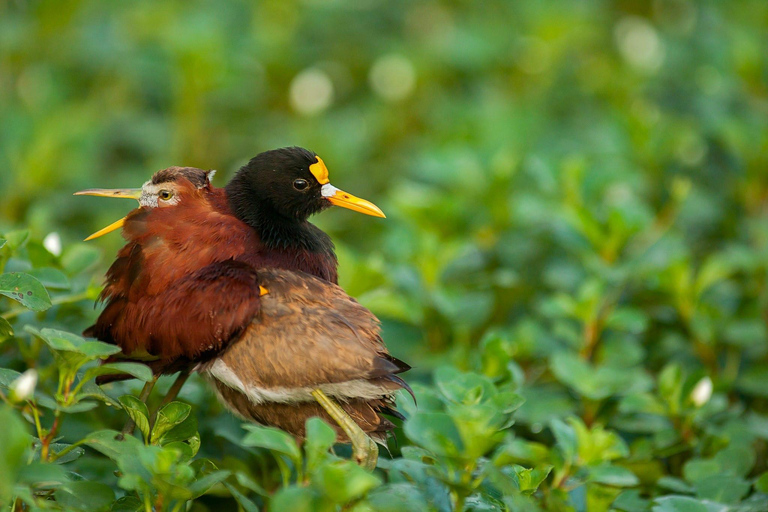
[364, 449]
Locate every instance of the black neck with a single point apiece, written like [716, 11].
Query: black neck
[275, 230]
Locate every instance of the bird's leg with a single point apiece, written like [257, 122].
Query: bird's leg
[173, 391]
[145, 391]
[364, 448]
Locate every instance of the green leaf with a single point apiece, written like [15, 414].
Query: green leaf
[138, 370]
[127, 504]
[295, 499]
[86, 496]
[248, 505]
[344, 481]
[436, 432]
[685, 504]
[106, 442]
[565, 438]
[137, 410]
[6, 331]
[51, 278]
[467, 388]
[7, 376]
[67, 342]
[614, 476]
[15, 443]
[78, 258]
[184, 431]
[168, 417]
[204, 484]
[529, 480]
[17, 239]
[26, 290]
[41, 474]
[723, 488]
[272, 439]
[319, 439]
[761, 484]
[398, 497]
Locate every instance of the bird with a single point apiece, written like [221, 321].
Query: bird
[185, 294]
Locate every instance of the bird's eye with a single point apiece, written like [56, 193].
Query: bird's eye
[300, 184]
[165, 195]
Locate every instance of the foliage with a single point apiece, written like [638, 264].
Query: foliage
[575, 259]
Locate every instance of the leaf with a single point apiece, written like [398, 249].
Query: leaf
[248, 505]
[127, 504]
[7, 377]
[204, 484]
[723, 488]
[184, 431]
[168, 417]
[105, 442]
[272, 439]
[41, 474]
[73, 454]
[685, 504]
[6, 331]
[138, 370]
[529, 480]
[17, 239]
[615, 476]
[398, 497]
[86, 496]
[51, 278]
[15, 442]
[26, 290]
[137, 410]
[91, 390]
[78, 258]
[67, 342]
[434, 431]
[319, 439]
[344, 481]
[565, 438]
[295, 499]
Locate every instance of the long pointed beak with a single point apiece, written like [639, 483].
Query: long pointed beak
[126, 193]
[115, 225]
[345, 200]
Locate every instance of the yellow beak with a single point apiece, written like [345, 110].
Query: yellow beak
[127, 193]
[345, 200]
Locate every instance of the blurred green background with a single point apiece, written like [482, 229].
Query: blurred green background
[577, 192]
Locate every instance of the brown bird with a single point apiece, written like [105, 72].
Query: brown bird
[185, 291]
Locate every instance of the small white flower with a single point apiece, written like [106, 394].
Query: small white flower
[52, 242]
[702, 392]
[24, 387]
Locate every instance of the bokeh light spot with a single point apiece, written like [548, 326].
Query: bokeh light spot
[392, 77]
[311, 92]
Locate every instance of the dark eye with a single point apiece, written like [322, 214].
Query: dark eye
[165, 195]
[300, 184]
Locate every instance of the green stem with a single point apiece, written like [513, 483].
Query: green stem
[66, 450]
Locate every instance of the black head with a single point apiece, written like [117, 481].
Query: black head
[282, 181]
[278, 190]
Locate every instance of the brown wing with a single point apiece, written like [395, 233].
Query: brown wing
[309, 333]
[196, 314]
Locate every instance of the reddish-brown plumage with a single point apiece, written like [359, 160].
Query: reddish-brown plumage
[181, 260]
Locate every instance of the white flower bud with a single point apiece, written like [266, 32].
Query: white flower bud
[52, 242]
[24, 387]
[702, 392]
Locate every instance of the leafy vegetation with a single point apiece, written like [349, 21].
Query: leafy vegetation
[575, 259]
